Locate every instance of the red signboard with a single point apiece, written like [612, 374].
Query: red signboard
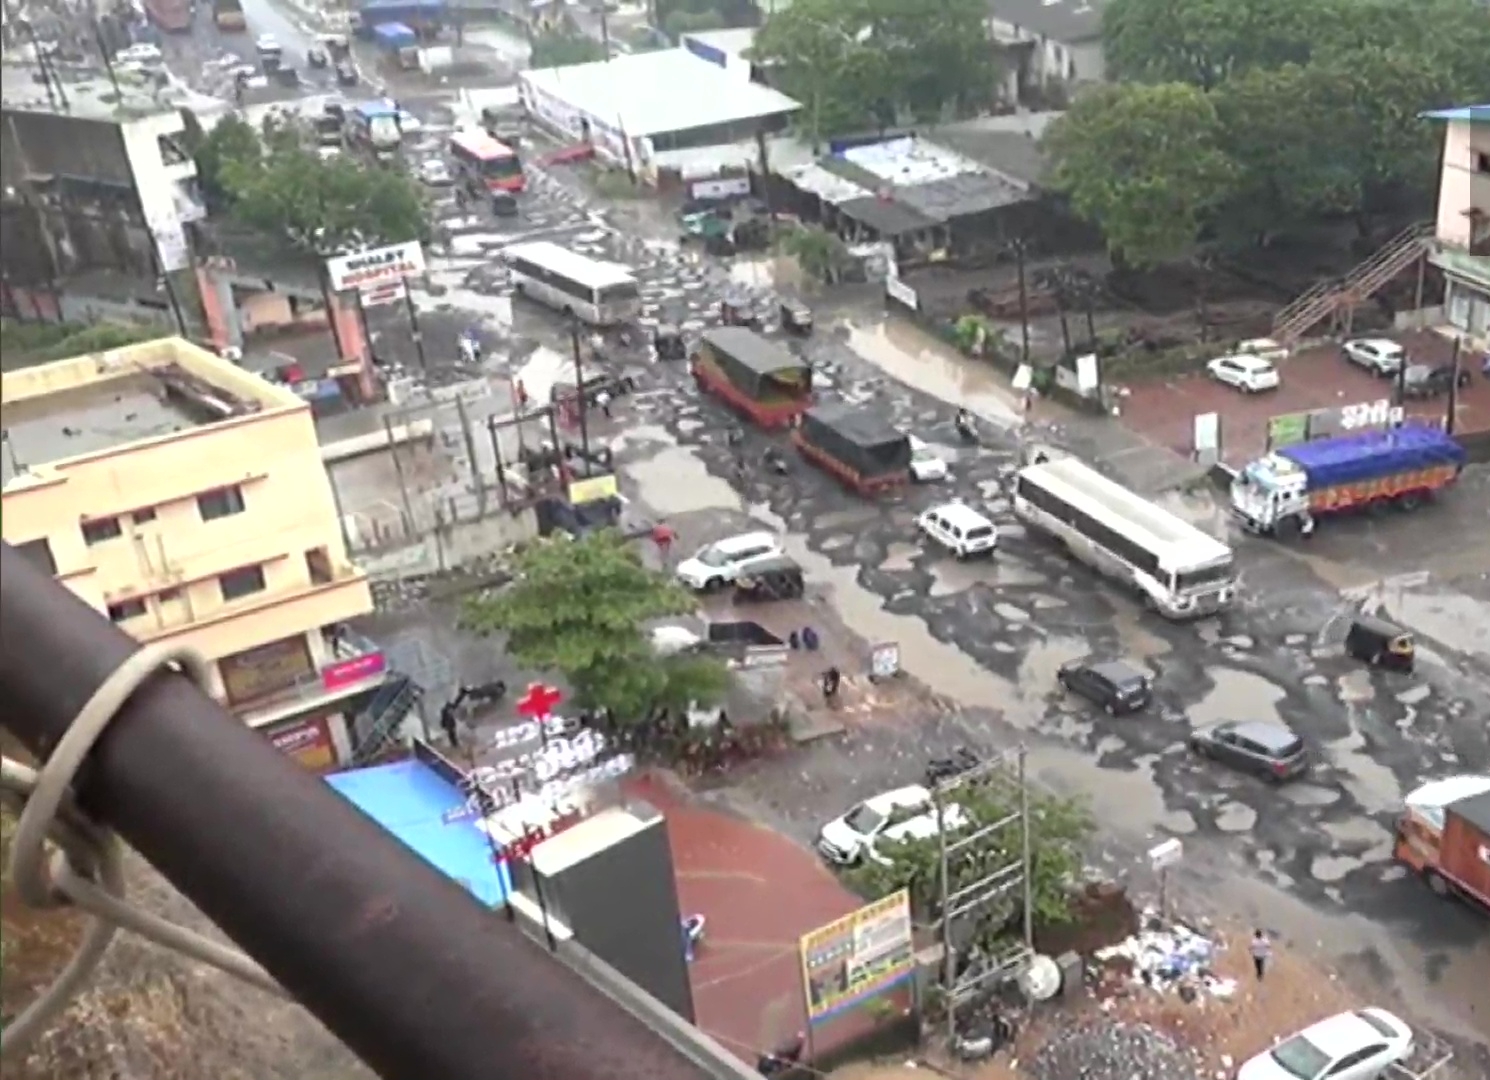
[307, 741]
[346, 672]
[539, 701]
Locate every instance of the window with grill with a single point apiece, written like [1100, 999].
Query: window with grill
[221, 503]
[96, 532]
[236, 584]
[125, 610]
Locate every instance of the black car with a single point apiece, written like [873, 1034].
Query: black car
[1112, 684]
[1422, 381]
[1263, 748]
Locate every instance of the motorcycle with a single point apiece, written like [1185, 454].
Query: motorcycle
[783, 1059]
[967, 429]
[961, 760]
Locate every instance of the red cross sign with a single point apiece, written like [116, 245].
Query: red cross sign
[539, 701]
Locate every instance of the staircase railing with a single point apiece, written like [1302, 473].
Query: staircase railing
[1364, 281]
[380, 721]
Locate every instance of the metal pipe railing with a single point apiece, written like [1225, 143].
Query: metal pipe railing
[398, 961]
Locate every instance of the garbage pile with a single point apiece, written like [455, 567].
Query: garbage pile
[1174, 959]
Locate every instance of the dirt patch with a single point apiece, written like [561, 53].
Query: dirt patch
[1101, 915]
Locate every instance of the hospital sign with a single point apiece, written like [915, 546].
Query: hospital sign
[367, 271]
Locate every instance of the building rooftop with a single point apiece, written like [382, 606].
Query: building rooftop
[57, 413]
[657, 92]
[1009, 145]
[90, 95]
[1070, 22]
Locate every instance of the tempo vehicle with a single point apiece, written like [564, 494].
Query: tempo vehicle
[960, 529]
[903, 814]
[1264, 748]
[1359, 1045]
[595, 292]
[1178, 570]
[856, 445]
[1111, 685]
[722, 562]
[1443, 833]
[1380, 356]
[1250, 373]
[486, 164]
[1284, 493]
[1380, 643]
[756, 377]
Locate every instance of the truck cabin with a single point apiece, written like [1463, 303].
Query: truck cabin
[757, 377]
[1443, 833]
[855, 444]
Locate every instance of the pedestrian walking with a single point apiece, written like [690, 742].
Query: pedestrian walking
[832, 680]
[663, 536]
[1262, 953]
[447, 723]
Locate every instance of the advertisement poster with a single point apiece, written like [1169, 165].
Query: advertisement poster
[307, 741]
[860, 955]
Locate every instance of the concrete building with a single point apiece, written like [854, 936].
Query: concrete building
[1461, 242]
[97, 192]
[654, 111]
[186, 500]
[1046, 43]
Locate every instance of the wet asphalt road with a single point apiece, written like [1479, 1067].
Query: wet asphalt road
[1311, 860]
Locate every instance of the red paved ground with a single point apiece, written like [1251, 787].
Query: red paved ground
[760, 893]
[1163, 411]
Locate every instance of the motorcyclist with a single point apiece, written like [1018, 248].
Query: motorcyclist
[965, 424]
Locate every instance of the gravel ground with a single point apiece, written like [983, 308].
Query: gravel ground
[1108, 1051]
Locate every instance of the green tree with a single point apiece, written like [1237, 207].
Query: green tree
[577, 607]
[324, 206]
[1059, 832]
[822, 255]
[231, 142]
[1145, 164]
[564, 48]
[1204, 42]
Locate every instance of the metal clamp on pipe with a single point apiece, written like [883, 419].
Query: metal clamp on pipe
[397, 960]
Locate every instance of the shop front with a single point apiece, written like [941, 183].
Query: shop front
[310, 740]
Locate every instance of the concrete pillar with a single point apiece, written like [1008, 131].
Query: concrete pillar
[224, 327]
[350, 335]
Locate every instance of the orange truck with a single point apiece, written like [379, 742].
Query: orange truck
[1443, 833]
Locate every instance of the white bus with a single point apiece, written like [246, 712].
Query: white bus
[1179, 570]
[596, 292]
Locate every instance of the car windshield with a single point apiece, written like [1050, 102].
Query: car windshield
[1301, 1058]
[978, 532]
[864, 820]
[923, 453]
[714, 556]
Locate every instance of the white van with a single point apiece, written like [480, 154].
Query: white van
[718, 564]
[960, 529]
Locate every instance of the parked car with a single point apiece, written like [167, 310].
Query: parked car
[1425, 381]
[903, 814]
[316, 57]
[720, 563]
[1110, 684]
[346, 73]
[1263, 347]
[1359, 1045]
[960, 529]
[927, 466]
[1250, 373]
[1261, 747]
[436, 173]
[1379, 356]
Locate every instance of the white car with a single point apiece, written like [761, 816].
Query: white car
[1379, 356]
[718, 564]
[408, 123]
[1264, 347]
[1359, 1045]
[436, 173]
[960, 529]
[903, 814]
[1250, 373]
[927, 467]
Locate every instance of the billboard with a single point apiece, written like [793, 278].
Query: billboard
[858, 956]
[367, 271]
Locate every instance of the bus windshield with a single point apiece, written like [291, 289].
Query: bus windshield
[1207, 575]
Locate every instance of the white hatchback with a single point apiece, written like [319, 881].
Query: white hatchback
[960, 529]
[1245, 372]
[718, 564]
[1380, 356]
[927, 466]
[1359, 1045]
[903, 814]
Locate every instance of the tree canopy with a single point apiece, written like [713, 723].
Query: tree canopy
[1314, 107]
[856, 64]
[276, 183]
[578, 608]
[564, 48]
[1059, 832]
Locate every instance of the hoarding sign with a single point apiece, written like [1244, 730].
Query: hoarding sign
[593, 489]
[369, 270]
[1288, 430]
[346, 672]
[902, 293]
[858, 956]
[307, 741]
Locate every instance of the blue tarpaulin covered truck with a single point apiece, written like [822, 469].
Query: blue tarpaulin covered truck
[424, 17]
[399, 43]
[1284, 493]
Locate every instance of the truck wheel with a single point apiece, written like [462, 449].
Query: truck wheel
[1409, 500]
[1437, 884]
[1287, 529]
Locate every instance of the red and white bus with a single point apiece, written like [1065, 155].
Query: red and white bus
[483, 161]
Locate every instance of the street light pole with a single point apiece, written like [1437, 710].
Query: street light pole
[581, 398]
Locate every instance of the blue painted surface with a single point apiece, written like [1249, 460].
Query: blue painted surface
[1371, 455]
[413, 802]
[1467, 112]
[704, 51]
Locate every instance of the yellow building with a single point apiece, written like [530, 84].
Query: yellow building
[185, 499]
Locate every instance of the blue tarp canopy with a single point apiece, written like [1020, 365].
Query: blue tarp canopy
[425, 811]
[1369, 455]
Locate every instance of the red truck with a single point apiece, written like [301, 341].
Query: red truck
[1444, 834]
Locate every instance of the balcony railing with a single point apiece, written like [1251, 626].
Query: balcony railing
[359, 664]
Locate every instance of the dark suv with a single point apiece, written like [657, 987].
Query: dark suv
[1112, 684]
[1263, 748]
[1422, 381]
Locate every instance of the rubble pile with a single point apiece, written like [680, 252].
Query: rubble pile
[1104, 1050]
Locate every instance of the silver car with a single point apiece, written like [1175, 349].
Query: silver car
[1380, 356]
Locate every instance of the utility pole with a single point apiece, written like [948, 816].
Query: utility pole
[414, 325]
[582, 402]
[600, 9]
[1451, 421]
[108, 61]
[967, 904]
[1024, 302]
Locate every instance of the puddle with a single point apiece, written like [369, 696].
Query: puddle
[1368, 781]
[1361, 832]
[1235, 817]
[1355, 687]
[541, 370]
[1309, 795]
[1041, 661]
[951, 576]
[1329, 868]
[676, 482]
[899, 558]
[1238, 695]
[905, 353]
[1460, 622]
[1138, 643]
